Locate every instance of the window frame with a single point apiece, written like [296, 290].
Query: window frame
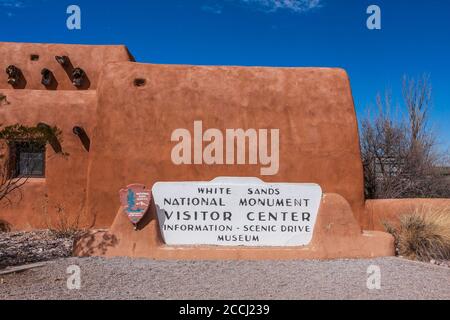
[18, 147]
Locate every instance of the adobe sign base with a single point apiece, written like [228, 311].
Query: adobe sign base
[337, 235]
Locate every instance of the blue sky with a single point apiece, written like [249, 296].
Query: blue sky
[415, 37]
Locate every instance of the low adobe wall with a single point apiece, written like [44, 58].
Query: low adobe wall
[336, 235]
[390, 210]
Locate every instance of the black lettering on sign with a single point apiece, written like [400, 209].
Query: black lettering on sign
[237, 238]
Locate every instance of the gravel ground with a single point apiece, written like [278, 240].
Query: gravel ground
[124, 278]
[17, 248]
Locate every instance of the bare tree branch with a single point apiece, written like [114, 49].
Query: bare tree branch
[400, 156]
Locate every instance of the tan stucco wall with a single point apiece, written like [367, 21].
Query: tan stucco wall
[64, 187]
[130, 129]
[312, 107]
[63, 191]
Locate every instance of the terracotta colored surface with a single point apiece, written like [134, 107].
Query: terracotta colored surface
[61, 195]
[312, 107]
[63, 191]
[130, 130]
[337, 235]
[90, 58]
[391, 210]
[26, 211]
[130, 127]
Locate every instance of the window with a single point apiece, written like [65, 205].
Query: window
[28, 159]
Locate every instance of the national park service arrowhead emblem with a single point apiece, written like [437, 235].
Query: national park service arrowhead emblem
[135, 200]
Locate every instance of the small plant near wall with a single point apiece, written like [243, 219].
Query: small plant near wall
[60, 222]
[67, 226]
[38, 134]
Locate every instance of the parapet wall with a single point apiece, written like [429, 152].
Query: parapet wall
[31, 58]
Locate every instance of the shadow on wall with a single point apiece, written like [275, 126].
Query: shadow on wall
[84, 138]
[4, 226]
[15, 77]
[48, 79]
[94, 243]
[76, 75]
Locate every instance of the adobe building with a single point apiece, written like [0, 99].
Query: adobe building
[117, 118]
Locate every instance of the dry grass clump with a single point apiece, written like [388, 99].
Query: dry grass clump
[423, 235]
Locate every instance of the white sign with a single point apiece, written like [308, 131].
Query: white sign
[237, 212]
